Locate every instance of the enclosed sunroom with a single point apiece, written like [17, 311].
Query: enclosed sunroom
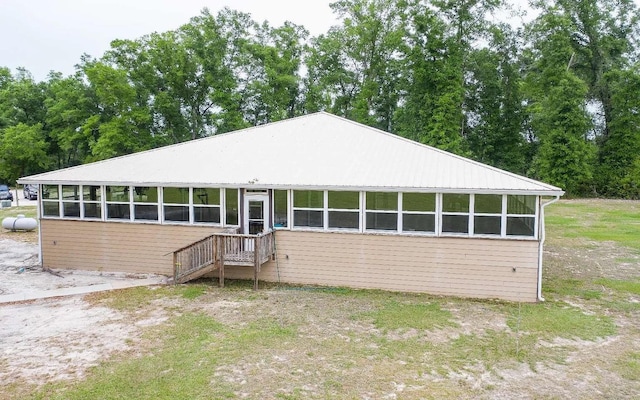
[341, 204]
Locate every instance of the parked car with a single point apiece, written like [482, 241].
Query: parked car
[5, 193]
[30, 192]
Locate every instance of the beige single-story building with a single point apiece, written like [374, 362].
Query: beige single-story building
[341, 204]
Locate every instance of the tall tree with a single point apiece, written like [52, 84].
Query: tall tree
[557, 101]
[354, 69]
[495, 113]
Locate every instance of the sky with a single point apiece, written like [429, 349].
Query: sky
[45, 35]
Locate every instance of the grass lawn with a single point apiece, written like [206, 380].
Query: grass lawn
[285, 342]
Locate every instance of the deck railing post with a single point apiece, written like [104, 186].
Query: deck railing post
[256, 262]
[220, 246]
[175, 268]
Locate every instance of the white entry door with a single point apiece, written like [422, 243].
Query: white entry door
[256, 213]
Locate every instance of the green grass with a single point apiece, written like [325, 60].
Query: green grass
[190, 348]
[394, 315]
[631, 287]
[629, 366]
[558, 320]
[27, 211]
[595, 220]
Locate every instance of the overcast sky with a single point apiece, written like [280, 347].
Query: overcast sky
[44, 35]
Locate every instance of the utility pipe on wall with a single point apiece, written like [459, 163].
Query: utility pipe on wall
[541, 246]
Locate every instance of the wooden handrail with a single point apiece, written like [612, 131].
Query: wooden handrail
[241, 249]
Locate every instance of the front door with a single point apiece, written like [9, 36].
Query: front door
[256, 215]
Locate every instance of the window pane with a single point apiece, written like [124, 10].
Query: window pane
[344, 219]
[174, 195]
[207, 214]
[232, 206]
[521, 204]
[455, 202]
[146, 212]
[382, 201]
[50, 209]
[118, 211]
[91, 193]
[308, 218]
[344, 200]
[71, 209]
[117, 193]
[280, 209]
[382, 221]
[308, 198]
[50, 192]
[92, 210]
[486, 225]
[418, 223]
[145, 194]
[209, 196]
[488, 204]
[520, 226]
[455, 223]
[70, 192]
[419, 201]
[176, 213]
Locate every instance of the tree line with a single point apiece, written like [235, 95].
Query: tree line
[556, 99]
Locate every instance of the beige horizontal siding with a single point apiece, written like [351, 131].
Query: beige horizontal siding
[479, 268]
[112, 246]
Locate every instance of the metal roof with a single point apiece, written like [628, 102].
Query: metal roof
[316, 151]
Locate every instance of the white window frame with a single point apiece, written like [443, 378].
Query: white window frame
[43, 201]
[397, 212]
[443, 213]
[535, 215]
[323, 209]
[128, 203]
[188, 205]
[192, 206]
[83, 201]
[473, 215]
[357, 210]
[403, 213]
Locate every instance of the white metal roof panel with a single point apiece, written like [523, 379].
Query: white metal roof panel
[318, 150]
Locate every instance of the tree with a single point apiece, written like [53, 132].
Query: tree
[619, 167]
[22, 151]
[557, 102]
[494, 103]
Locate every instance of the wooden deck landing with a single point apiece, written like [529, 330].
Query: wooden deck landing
[217, 251]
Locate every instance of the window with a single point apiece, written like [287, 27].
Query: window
[344, 210]
[175, 204]
[50, 201]
[232, 206]
[71, 201]
[487, 214]
[455, 213]
[382, 211]
[145, 203]
[280, 209]
[92, 201]
[308, 208]
[521, 215]
[419, 212]
[117, 199]
[206, 205]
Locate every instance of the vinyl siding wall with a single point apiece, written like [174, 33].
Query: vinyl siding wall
[112, 246]
[479, 268]
[465, 267]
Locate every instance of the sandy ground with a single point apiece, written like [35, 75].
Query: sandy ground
[56, 338]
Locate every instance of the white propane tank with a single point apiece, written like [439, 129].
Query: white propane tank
[19, 223]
